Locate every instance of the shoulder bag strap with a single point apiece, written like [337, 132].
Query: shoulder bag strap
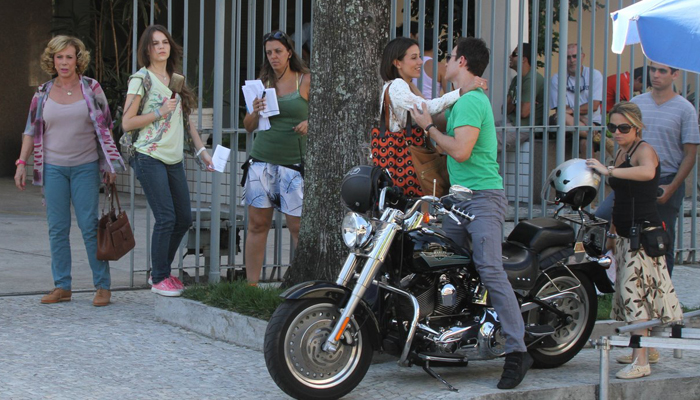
[384, 122]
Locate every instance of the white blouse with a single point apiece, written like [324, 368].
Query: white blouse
[403, 100]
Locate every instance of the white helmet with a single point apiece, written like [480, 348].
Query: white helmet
[575, 184]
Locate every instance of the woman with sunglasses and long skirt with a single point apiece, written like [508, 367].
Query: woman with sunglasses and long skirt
[275, 169]
[165, 134]
[643, 288]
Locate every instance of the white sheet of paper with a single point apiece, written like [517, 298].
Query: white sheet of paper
[271, 106]
[220, 157]
[252, 90]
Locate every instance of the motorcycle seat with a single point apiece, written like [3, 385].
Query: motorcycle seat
[520, 266]
[538, 234]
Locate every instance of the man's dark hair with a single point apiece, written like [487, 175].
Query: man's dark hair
[638, 73]
[413, 29]
[476, 53]
[527, 49]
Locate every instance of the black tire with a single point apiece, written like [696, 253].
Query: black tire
[571, 338]
[298, 329]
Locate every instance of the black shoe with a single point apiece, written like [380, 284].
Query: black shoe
[514, 369]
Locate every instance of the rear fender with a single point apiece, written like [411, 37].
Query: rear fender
[339, 295]
[595, 273]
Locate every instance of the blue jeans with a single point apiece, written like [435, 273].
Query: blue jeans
[81, 186]
[668, 213]
[167, 193]
[489, 207]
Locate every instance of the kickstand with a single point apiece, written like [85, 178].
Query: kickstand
[435, 375]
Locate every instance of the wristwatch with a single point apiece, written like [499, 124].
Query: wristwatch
[611, 235]
[610, 170]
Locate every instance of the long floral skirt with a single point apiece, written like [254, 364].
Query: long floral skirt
[643, 288]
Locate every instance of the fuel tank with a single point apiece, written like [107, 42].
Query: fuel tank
[433, 252]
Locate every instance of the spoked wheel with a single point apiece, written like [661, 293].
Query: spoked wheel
[295, 357]
[581, 305]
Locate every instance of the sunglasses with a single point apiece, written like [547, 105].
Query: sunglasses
[513, 54]
[572, 57]
[662, 71]
[279, 35]
[448, 57]
[623, 128]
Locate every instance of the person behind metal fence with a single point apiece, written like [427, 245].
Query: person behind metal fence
[164, 134]
[275, 170]
[529, 73]
[643, 288]
[672, 130]
[69, 130]
[589, 92]
[429, 58]
[624, 87]
[471, 145]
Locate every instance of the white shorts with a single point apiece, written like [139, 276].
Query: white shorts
[269, 185]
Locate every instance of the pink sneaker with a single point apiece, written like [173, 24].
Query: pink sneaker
[166, 288]
[176, 282]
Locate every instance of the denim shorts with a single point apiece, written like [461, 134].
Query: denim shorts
[270, 185]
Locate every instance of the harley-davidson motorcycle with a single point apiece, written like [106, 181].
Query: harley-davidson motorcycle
[408, 290]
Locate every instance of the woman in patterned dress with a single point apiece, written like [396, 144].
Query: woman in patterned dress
[643, 288]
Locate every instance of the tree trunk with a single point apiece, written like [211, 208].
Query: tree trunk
[349, 36]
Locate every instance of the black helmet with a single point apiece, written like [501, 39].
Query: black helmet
[575, 183]
[360, 188]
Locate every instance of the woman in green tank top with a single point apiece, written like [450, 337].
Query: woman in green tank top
[274, 177]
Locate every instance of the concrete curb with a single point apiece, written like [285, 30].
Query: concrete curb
[213, 322]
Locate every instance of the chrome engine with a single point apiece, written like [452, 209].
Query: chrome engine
[446, 323]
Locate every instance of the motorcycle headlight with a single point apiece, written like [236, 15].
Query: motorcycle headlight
[356, 230]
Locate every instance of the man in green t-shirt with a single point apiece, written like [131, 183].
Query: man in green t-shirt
[525, 104]
[470, 143]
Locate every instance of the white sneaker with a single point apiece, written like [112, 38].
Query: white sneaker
[653, 358]
[634, 371]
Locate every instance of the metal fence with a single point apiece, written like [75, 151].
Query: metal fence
[505, 25]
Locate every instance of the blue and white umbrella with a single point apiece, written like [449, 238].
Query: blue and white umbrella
[669, 31]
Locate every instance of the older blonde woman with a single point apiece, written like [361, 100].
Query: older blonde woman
[69, 131]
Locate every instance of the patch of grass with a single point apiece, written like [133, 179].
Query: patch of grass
[604, 306]
[237, 296]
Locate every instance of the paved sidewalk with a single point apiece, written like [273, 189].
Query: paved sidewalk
[76, 351]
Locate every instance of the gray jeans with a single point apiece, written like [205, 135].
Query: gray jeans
[489, 207]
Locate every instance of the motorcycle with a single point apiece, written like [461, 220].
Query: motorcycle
[408, 290]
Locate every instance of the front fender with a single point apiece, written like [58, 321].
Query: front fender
[339, 295]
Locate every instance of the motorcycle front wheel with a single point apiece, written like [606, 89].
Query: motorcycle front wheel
[581, 303]
[295, 357]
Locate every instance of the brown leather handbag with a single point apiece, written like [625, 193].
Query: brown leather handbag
[431, 169]
[114, 235]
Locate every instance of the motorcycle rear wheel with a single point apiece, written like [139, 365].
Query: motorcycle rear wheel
[296, 360]
[570, 338]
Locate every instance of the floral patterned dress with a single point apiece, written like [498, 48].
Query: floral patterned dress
[643, 288]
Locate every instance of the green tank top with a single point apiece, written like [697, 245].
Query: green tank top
[280, 145]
